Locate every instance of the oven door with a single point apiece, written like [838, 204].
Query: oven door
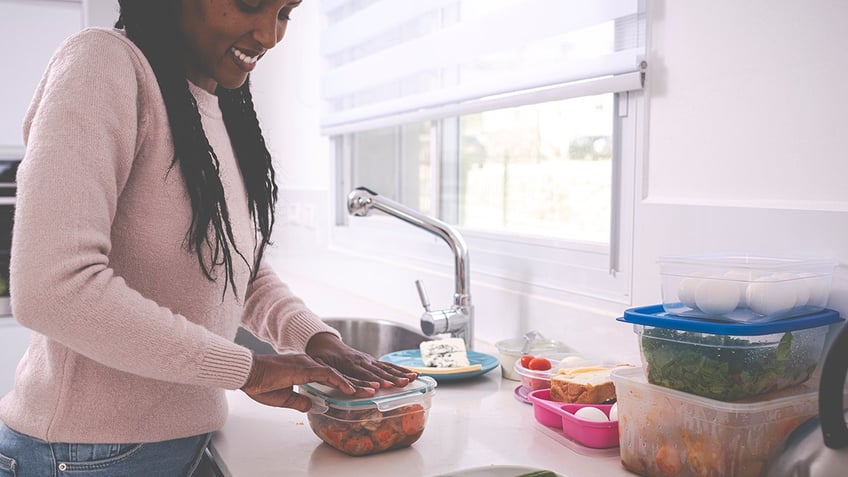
[7, 212]
[8, 170]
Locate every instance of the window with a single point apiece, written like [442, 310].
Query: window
[514, 120]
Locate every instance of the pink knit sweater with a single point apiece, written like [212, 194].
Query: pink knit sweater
[130, 342]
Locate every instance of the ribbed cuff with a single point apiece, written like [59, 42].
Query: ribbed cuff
[303, 327]
[225, 365]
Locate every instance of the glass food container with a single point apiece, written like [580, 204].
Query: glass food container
[393, 418]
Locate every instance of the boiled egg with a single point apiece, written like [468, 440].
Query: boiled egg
[686, 291]
[771, 294]
[613, 412]
[819, 287]
[716, 296]
[589, 413]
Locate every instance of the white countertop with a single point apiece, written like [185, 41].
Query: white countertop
[471, 423]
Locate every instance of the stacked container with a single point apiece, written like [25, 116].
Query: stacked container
[726, 364]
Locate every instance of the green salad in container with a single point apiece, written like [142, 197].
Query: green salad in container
[725, 368]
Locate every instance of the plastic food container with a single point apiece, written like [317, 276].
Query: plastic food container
[744, 288]
[664, 432]
[728, 361]
[593, 434]
[541, 379]
[391, 419]
[510, 351]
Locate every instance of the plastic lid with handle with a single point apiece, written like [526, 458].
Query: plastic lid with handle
[323, 397]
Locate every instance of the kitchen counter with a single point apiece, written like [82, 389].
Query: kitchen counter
[472, 423]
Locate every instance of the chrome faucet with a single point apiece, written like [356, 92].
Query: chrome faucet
[458, 320]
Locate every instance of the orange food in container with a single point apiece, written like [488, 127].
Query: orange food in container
[391, 419]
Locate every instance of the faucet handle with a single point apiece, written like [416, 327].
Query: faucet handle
[422, 294]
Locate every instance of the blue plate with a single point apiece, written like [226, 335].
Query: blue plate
[412, 357]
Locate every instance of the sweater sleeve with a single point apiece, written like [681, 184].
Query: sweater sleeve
[275, 315]
[82, 132]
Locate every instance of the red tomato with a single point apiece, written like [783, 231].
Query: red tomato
[525, 360]
[539, 364]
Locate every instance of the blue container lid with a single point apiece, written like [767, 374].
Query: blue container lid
[656, 316]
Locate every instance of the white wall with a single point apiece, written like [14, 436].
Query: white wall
[744, 152]
[745, 148]
[30, 31]
[99, 13]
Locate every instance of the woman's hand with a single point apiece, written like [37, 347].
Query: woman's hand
[272, 377]
[362, 369]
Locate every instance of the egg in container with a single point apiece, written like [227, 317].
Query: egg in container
[391, 419]
[591, 425]
[744, 288]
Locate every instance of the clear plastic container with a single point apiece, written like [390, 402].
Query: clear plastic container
[729, 361]
[664, 432]
[391, 419]
[541, 379]
[511, 350]
[744, 288]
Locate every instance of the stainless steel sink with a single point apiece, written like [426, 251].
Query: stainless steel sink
[372, 336]
[376, 337]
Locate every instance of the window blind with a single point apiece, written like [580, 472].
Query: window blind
[395, 61]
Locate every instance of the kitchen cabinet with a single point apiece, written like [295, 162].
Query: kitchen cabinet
[31, 32]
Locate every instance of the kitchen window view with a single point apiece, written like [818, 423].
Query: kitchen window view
[542, 170]
[526, 142]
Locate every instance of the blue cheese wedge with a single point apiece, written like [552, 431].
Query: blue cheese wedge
[445, 353]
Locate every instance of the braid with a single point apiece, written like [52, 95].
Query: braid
[255, 161]
[153, 26]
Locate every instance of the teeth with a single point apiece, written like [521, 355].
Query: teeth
[247, 59]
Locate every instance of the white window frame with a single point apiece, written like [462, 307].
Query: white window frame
[583, 273]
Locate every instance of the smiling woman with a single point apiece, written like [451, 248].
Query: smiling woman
[226, 39]
[146, 164]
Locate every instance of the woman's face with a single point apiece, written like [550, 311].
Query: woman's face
[226, 38]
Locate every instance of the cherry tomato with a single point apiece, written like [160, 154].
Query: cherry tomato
[539, 364]
[525, 360]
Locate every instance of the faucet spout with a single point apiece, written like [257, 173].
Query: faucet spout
[459, 319]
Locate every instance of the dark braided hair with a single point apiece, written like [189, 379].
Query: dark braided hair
[153, 25]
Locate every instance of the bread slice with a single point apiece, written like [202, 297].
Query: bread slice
[588, 385]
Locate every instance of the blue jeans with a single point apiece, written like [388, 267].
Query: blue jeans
[24, 456]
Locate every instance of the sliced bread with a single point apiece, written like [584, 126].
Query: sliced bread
[588, 385]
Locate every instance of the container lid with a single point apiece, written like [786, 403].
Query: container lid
[386, 399]
[656, 316]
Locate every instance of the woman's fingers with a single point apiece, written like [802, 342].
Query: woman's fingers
[284, 398]
[273, 376]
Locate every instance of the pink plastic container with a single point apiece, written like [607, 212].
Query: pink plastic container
[597, 435]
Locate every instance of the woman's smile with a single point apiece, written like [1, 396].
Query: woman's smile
[244, 60]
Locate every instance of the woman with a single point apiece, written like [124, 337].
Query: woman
[145, 203]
